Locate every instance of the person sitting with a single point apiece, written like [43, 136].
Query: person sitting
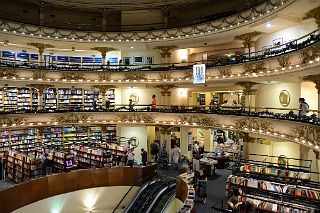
[233, 202]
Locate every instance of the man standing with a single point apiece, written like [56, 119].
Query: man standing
[176, 156]
[144, 156]
[130, 157]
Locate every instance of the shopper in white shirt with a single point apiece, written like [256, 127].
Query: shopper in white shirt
[130, 158]
[303, 108]
[176, 156]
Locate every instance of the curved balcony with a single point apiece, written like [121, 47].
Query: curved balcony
[261, 11]
[294, 56]
[29, 192]
[262, 122]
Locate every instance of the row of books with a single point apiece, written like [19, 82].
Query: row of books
[279, 172]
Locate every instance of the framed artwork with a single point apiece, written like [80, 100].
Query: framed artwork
[138, 59]
[149, 60]
[284, 98]
[126, 60]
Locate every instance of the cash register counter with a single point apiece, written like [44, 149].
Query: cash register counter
[222, 160]
[185, 192]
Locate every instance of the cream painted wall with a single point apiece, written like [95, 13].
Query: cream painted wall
[102, 199]
[289, 149]
[144, 53]
[267, 95]
[310, 93]
[145, 95]
[179, 96]
[141, 133]
[288, 34]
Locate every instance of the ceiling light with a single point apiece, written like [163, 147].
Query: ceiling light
[269, 25]
[131, 47]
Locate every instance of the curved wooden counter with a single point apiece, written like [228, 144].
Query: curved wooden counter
[23, 194]
[185, 193]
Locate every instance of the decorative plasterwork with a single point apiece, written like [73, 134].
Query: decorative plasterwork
[165, 75]
[103, 50]
[247, 85]
[39, 74]
[76, 76]
[310, 53]
[135, 76]
[247, 38]
[165, 89]
[314, 13]
[11, 120]
[187, 75]
[309, 133]
[71, 117]
[41, 46]
[261, 11]
[103, 88]
[254, 123]
[254, 68]
[196, 120]
[284, 61]
[225, 71]
[165, 130]
[104, 76]
[6, 72]
[134, 117]
[165, 51]
[40, 87]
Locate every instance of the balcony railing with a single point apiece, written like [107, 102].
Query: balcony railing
[291, 114]
[295, 45]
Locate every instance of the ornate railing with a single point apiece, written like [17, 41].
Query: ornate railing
[295, 45]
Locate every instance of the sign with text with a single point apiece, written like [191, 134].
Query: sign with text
[199, 74]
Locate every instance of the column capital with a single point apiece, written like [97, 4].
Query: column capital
[165, 51]
[315, 79]
[165, 130]
[103, 88]
[40, 87]
[165, 89]
[247, 38]
[103, 50]
[314, 13]
[40, 46]
[247, 87]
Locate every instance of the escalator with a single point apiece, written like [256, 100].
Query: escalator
[153, 196]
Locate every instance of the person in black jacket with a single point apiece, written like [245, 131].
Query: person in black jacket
[144, 156]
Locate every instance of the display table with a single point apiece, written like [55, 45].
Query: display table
[222, 160]
[185, 192]
[208, 166]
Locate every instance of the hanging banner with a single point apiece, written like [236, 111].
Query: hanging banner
[199, 74]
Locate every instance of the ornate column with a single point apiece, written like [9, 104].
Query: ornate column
[315, 79]
[40, 88]
[103, 89]
[165, 136]
[166, 91]
[41, 47]
[250, 98]
[248, 41]
[208, 140]
[314, 13]
[165, 52]
[103, 51]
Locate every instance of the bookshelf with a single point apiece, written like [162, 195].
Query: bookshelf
[50, 99]
[23, 139]
[110, 134]
[10, 98]
[88, 157]
[91, 100]
[275, 188]
[70, 99]
[95, 135]
[20, 167]
[24, 99]
[1, 106]
[53, 136]
[110, 95]
[4, 140]
[59, 159]
[75, 135]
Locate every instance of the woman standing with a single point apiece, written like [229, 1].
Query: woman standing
[153, 103]
[202, 186]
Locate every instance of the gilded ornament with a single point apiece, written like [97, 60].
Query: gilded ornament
[256, 67]
[71, 117]
[165, 89]
[284, 61]
[309, 133]
[165, 51]
[254, 123]
[165, 75]
[134, 76]
[187, 74]
[310, 53]
[9, 72]
[37, 74]
[225, 70]
[104, 76]
[72, 76]
[247, 38]
[196, 119]
[314, 13]
[13, 119]
[135, 117]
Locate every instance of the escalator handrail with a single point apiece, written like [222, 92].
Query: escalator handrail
[153, 180]
[131, 187]
[159, 194]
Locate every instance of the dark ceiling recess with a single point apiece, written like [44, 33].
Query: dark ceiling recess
[25, 11]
